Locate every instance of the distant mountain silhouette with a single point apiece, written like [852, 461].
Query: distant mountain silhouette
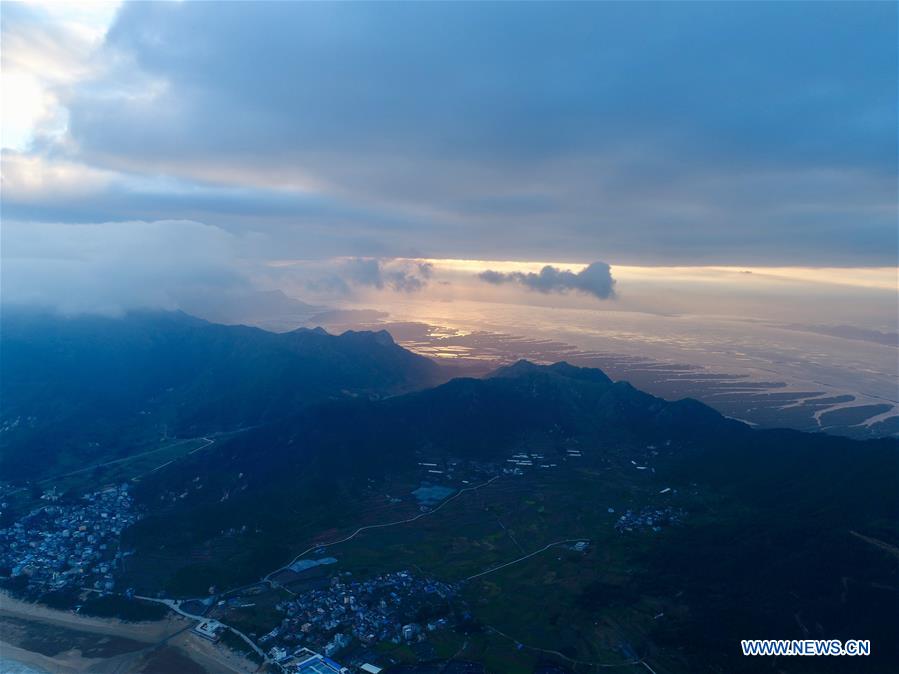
[95, 385]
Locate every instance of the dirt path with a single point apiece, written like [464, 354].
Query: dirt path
[877, 543]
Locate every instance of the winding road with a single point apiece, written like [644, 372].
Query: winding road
[358, 531]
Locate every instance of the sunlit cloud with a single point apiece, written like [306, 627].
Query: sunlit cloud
[340, 193]
[28, 176]
[882, 278]
[47, 48]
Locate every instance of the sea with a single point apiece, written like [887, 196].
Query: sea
[774, 355]
[10, 666]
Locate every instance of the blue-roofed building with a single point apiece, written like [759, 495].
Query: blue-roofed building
[309, 662]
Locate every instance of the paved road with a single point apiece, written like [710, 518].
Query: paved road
[358, 531]
[175, 606]
[524, 557]
[208, 442]
[602, 665]
[124, 459]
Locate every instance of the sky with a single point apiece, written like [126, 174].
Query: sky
[660, 157]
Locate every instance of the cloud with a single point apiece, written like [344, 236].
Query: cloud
[364, 272]
[47, 48]
[469, 130]
[497, 81]
[115, 266]
[399, 275]
[595, 279]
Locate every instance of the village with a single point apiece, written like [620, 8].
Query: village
[70, 544]
[397, 607]
[649, 518]
[65, 545]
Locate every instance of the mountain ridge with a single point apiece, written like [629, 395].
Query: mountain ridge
[83, 381]
[686, 512]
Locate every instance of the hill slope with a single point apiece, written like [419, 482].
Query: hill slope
[324, 452]
[764, 533]
[772, 541]
[89, 387]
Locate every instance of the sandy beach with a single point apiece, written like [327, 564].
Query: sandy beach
[61, 642]
[143, 631]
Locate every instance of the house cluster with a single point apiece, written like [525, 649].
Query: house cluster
[524, 460]
[63, 545]
[654, 518]
[456, 471]
[305, 661]
[396, 607]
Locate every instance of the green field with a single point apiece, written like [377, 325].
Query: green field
[548, 602]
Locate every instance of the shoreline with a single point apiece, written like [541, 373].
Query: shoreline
[148, 632]
[31, 659]
[172, 632]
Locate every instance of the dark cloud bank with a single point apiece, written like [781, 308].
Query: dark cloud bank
[657, 133]
[696, 133]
